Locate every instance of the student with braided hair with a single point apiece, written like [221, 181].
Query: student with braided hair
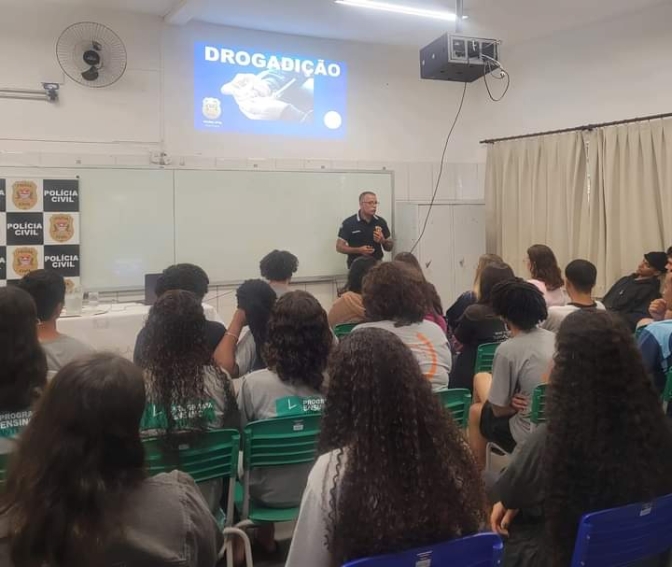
[500, 412]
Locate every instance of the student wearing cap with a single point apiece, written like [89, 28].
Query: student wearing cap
[631, 296]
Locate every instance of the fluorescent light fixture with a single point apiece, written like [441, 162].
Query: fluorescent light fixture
[399, 9]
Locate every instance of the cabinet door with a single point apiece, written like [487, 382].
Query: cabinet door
[436, 250]
[468, 243]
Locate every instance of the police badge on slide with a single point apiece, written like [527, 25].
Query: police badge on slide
[39, 227]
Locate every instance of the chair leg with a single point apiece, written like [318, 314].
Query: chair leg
[229, 547]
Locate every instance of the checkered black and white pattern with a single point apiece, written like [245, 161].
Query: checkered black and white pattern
[39, 227]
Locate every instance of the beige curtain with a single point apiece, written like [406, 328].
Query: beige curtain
[631, 173]
[603, 195]
[537, 193]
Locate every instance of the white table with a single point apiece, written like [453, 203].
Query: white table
[113, 328]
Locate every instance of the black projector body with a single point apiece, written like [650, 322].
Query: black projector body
[458, 58]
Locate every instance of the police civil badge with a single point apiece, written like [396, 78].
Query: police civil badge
[212, 108]
[24, 194]
[61, 227]
[25, 259]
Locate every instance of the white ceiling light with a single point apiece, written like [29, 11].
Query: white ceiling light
[398, 9]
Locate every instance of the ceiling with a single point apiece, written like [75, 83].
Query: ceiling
[513, 21]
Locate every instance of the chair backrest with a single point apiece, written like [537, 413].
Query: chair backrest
[215, 456]
[639, 331]
[667, 392]
[480, 550]
[621, 536]
[538, 411]
[457, 402]
[344, 329]
[484, 357]
[281, 441]
[4, 461]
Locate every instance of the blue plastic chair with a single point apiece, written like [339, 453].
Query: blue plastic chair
[480, 550]
[620, 536]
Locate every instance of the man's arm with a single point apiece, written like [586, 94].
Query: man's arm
[343, 247]
[388, 244]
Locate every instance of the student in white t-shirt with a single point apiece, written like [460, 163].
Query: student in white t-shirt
[47, 288]
[298, 344]
[394, 471]
[23, 366]
[546, 274]
[580, 277]
[186, 393]
[395, 300]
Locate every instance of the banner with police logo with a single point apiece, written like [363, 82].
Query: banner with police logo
[39, 227]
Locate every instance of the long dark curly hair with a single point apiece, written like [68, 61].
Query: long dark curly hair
[299, 339]
[609, 442]
[23, 366]
[176, 358]
[278, 266]
[256, 298]
[404, 474]
[433, 299]
[79, 458]
[544, 267]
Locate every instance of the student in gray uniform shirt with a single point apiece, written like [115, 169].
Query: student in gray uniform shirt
[297, 348]
[186, 393]
[47, 289]
[78, 493]
[277, 268]
[23, 367]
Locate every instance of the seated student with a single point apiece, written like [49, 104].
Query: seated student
[479, 325]
[187, 277]
[77, 491]
[501, 409]
[186, 393]
[631, 296]
[660, 310]
[349, 307]
[394, 471]
[606, 444]
[297, 348]
[23, 366]
[239, 353]
[655, 343]
[395, 300]
[277, 268]
[546, 274]
[457, 309]
[580, 276]
[434, 306]
[47, 288]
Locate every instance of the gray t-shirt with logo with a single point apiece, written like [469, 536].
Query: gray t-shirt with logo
[519, 366]
[263, 395]
[64, 349]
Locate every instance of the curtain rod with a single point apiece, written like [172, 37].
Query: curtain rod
[576, 128]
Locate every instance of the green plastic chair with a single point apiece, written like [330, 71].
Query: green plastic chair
[344, 330]
[457, 402]
[215, 457]
[538, 411]
[484, 357]
[667, 392]
[4, 462]
[639, 331]
[271, 443]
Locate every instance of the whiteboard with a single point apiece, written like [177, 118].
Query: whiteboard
[226, 221]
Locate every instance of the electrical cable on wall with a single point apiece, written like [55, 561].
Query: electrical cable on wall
[438, 179]
[503, 74]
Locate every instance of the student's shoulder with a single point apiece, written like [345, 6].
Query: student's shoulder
[75, 344]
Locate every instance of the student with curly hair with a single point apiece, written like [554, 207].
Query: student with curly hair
[434, 305]
[349, 307]
[277, 268]
[185, 277]
[47, 288]
[297, 348]
[239, 353]
[479, 325]
[395, 300]
[186, 392]
[77, 493]
[23, 366]
[394, 472]
[546, 274]
[500, 412]
[607, 443]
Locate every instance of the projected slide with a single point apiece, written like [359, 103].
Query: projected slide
[243, 90]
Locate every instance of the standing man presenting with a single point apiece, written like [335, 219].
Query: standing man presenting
[364, 234]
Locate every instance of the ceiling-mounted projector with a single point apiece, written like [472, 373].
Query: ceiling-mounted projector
[458, 58]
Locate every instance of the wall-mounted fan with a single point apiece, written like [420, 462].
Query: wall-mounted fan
[91, 54]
